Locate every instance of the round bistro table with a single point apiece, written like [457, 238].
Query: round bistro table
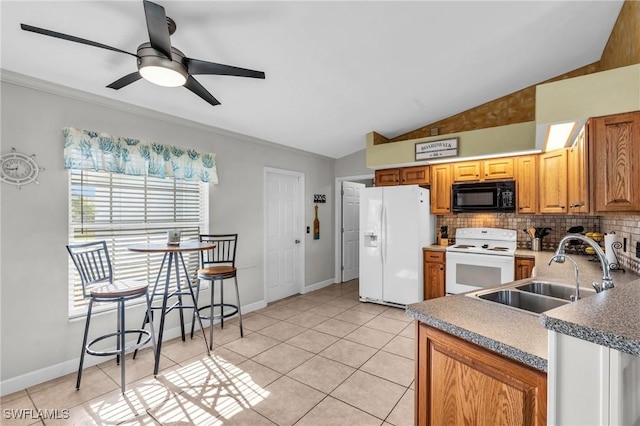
[173, 260]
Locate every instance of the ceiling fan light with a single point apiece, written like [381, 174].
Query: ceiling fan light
[162, 76]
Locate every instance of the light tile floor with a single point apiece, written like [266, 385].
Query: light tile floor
[321, 358]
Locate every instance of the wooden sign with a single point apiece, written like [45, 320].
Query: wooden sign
[437, 149]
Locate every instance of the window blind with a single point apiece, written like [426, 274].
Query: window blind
[126, 210]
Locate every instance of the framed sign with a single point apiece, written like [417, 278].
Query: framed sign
[437, 149]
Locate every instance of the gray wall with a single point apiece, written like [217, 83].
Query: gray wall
[36, 331]
[353, 165]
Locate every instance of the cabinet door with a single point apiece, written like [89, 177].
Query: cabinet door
[466, 171]
[388, 177]
[524, 267]
[616, 161]
[553, 182]
[578, 182]
[461, 383]
[497, 168]
[418, 175]
[441, 189]
[527, 183]
[434, 274]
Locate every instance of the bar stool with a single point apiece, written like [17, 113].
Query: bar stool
[218, 264]
[96, 274]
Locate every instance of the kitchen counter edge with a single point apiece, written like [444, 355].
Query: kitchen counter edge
[610, 318]
[516, 335]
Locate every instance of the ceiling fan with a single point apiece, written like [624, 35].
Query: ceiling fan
[158, 61]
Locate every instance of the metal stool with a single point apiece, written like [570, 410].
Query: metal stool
[218, 264]
[94, 266]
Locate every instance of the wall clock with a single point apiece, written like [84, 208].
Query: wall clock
[18, 168]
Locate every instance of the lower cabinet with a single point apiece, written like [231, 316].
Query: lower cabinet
[459, 383]
[524, 267]
[434, 274]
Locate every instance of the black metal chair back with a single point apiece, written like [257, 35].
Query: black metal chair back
[224, 252]
[92, 263]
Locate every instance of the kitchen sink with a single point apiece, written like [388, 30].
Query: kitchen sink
[530, 302]
[532, 297]
[558, 291]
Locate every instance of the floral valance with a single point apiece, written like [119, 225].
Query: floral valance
[89, 150]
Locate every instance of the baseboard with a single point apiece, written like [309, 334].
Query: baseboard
[317, 286]
[51, 372]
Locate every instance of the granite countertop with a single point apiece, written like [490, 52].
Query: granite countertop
[610, 318]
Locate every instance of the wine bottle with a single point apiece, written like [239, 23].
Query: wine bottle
[316, 226]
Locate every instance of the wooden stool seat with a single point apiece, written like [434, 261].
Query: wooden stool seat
[118, 289]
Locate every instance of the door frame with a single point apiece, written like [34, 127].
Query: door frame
[338, 259]
[301, 207]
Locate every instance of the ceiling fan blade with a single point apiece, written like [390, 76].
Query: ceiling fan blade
[193, 85]
[158, 29]
[124, 81]
[196, 66]
[71, 38]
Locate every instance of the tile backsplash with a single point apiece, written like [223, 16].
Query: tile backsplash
[624, 227]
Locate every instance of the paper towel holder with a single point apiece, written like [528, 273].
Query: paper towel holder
[615, 266]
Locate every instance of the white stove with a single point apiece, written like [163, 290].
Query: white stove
[481, 258]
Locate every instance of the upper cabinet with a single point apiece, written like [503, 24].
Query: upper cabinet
[552, 180]
[465, 171]
[615, 164]
[388, 177]
[527, 183]
[495, 168]
[578, 176]
[441, 188]
[416, 175]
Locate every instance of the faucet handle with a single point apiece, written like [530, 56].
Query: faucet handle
[597, 287]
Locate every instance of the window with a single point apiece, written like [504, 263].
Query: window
[126, 210]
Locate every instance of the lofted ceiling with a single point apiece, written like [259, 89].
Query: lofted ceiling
[335, 70]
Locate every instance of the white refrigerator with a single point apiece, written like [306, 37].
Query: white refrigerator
[395, 224]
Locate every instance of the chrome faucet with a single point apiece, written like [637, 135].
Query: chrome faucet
[556, 257]
[607, 281]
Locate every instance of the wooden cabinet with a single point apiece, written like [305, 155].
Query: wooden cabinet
[416, 175]
[441, 188]
[615, 165]
[388, 177]
[527, 183]
[552, 178]
[578, 176]
[434, 273]
[524, 267]
[458, 382]
[495, 168]
[465, 171]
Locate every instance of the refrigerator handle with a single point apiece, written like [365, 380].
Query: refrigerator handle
[383, 230]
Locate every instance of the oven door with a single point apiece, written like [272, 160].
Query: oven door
[472, 271]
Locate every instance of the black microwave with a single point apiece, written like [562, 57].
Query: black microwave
[484, 197]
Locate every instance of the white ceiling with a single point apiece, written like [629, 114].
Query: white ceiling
[334, 70]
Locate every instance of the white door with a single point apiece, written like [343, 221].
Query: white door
[284, 244]
[350, 230]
